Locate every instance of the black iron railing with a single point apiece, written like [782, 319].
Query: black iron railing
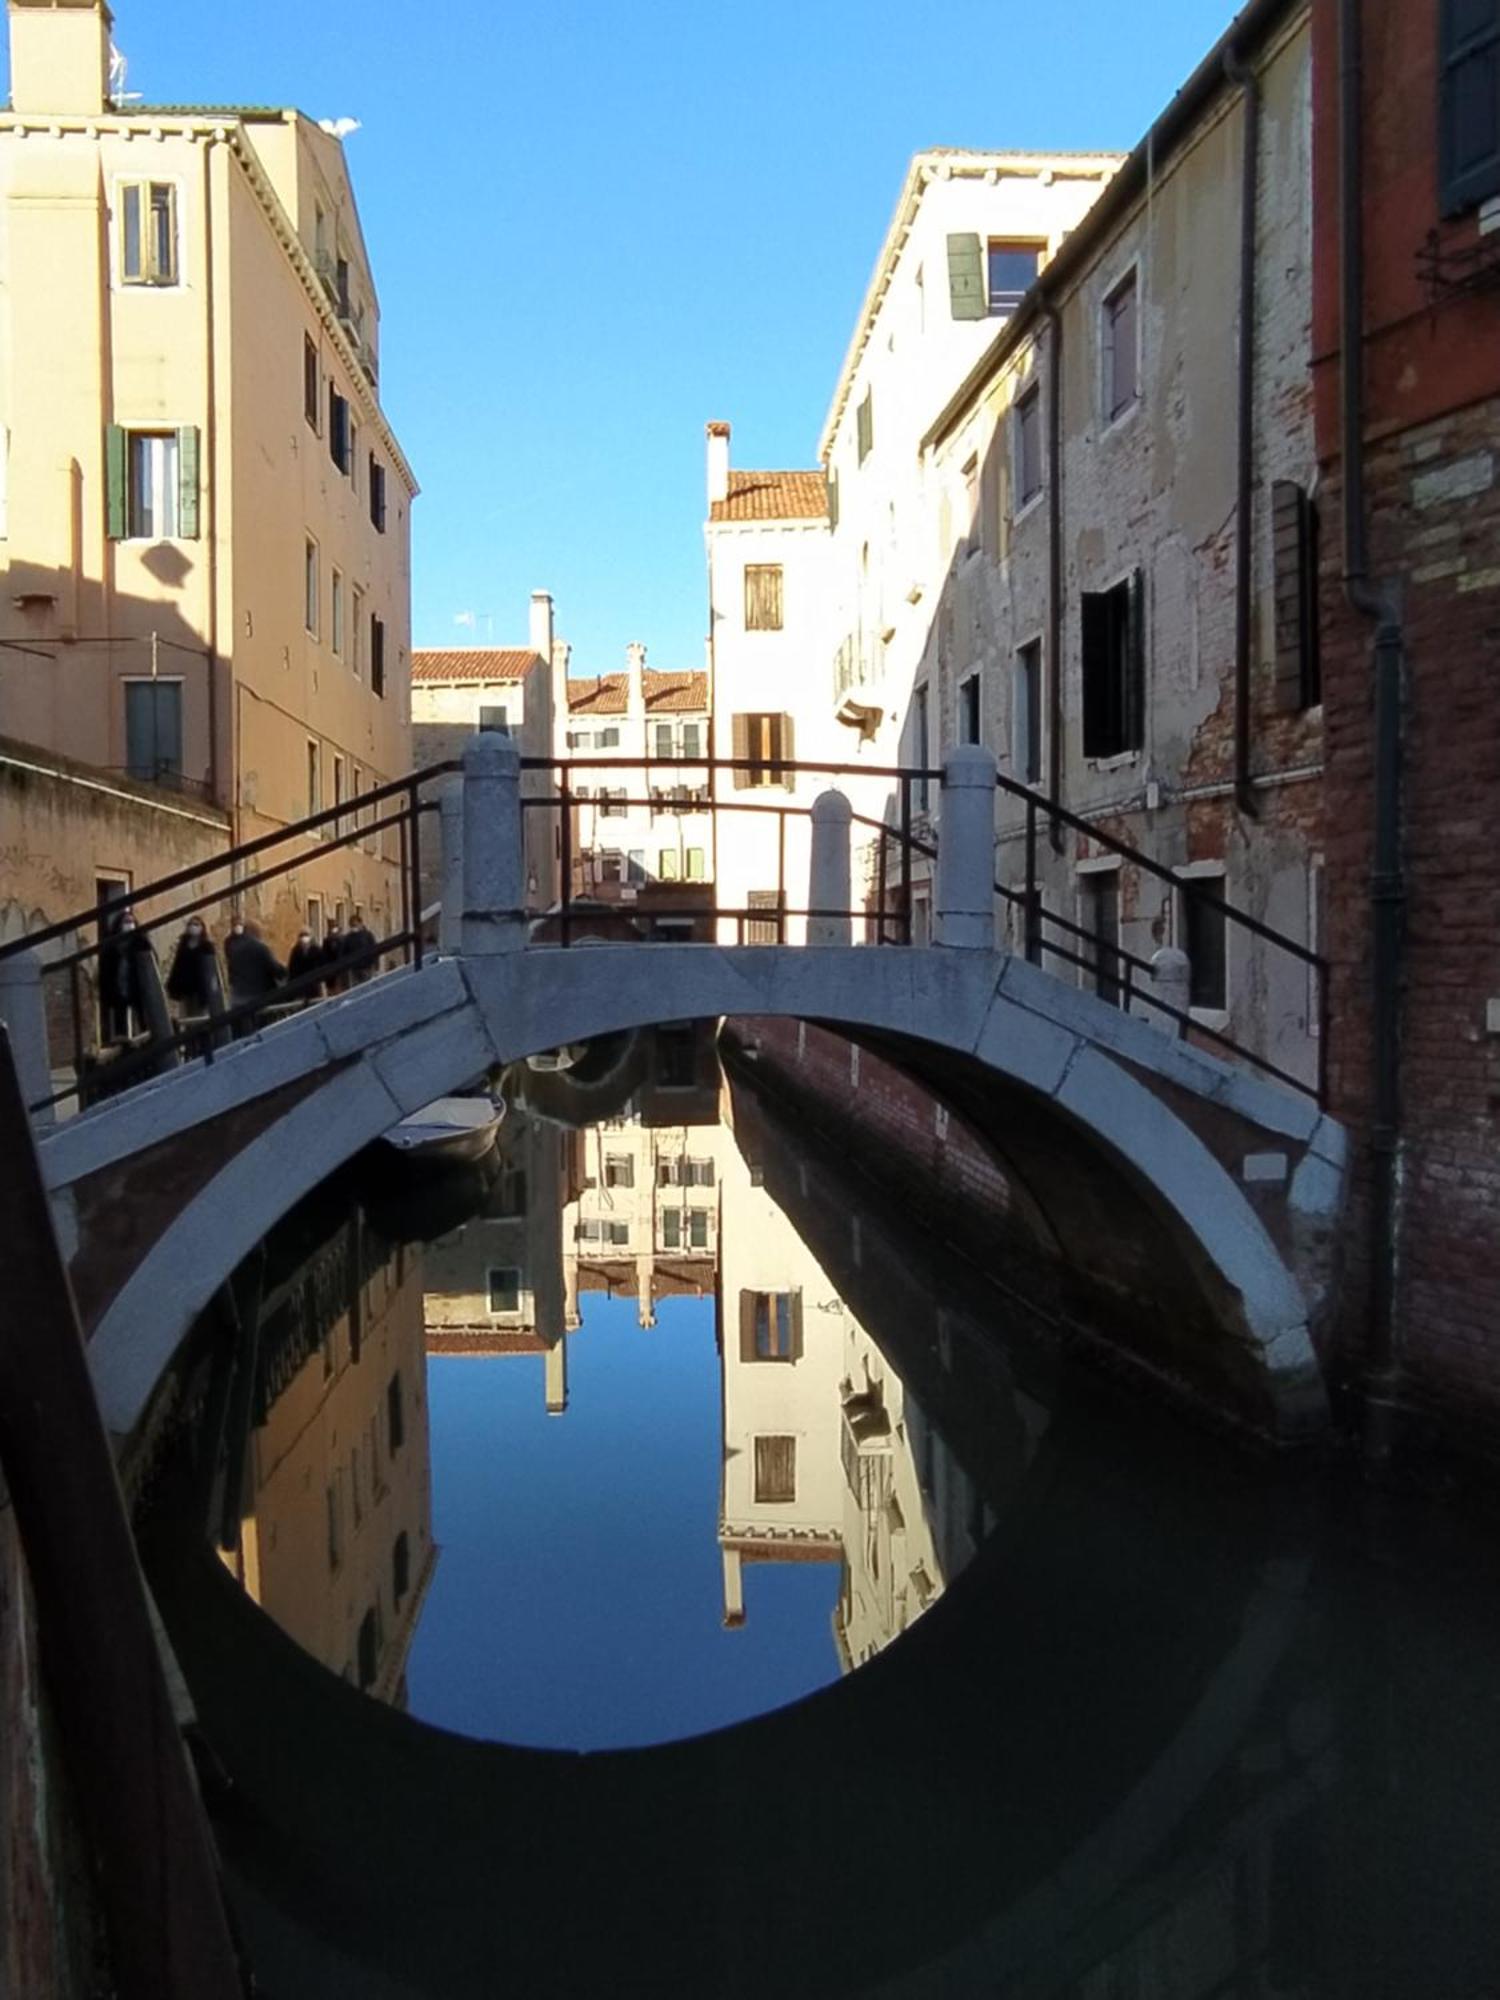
[901, 850]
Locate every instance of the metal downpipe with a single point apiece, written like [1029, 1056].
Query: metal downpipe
[1249, 86]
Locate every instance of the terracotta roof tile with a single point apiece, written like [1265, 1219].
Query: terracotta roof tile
[666, 694]
[474, 663]
[773, 496]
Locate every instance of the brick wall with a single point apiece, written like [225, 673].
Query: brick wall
[1435, 525]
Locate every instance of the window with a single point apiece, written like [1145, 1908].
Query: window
[684, 1172]
[492, 717]
[770, 1326]
[338, 429]
[592, 1230]
[968, 710]
[1099, 914]
[761, 742]
[1114, 672]
[148, 233]
[357, 632]
[921, 747]
[684, 1228]
[1294, 543]
[153, 730]
[1468, 104]
[612, 802]
[353, 466]
[635, 866]
[151, 484]
[340, 793]
[1011, 271]
[865, 425]
[341, 278]
[310, 586]
[336, 613]
[314, 778]
[505, 1290]
[369, 1648]
[1028, 447]
[667, 868]
[692, 740]
[1205, 940]
[1026, 713]
[312, 400]
[400, 1566]
[1121, 353]
[619, 1170]
[666, 745]
[766, 929]
[677, 1057]
[775, 1470]
[377, 655]
[693, 864]
[377, 494]
[395, 1415]
[335, 1522]
[763, 597]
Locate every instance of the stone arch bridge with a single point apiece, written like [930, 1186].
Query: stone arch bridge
[1202, 1200]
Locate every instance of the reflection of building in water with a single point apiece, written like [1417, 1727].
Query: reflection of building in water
[643, 1222]
[495, 1286]
[336, 1540]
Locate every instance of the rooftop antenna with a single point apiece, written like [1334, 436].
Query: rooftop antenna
[119, 74]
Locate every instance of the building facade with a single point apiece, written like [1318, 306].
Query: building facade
[1407, 182]
[206, 515]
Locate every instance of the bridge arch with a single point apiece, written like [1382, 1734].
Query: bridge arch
[275, 1115]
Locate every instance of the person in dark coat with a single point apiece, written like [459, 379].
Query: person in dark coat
[254, 970]
[194, 981]
[335, 972]
[120, 977]
[305, 957]
[359, 939]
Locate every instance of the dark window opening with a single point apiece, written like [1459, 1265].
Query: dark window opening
[1468, 104]
[1099, 893]
[969, 720]
[1029, 447]
[311, 385]
[1114, 669]
[1027, 732]
[1121, 356]
[505, 1289]
[1011, 270]
[395, 1414]
[400, 1566]
[1205, 940]
[338, 429]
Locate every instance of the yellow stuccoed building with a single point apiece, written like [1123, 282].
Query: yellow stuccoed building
[205, 564]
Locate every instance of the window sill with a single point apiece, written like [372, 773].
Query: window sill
[1216, 1018]
[1120, 422]
[1118, 762]
[1028, 507]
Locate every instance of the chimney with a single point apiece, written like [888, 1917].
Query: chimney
[541, 623]
[635, 669]
[718, 461]
[59, 55]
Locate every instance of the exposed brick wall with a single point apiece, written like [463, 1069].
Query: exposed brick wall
[1435, 526]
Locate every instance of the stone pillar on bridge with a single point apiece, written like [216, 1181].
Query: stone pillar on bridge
[828, 876]
[450, 916]
[24, 1012]
[966, 850]
[494, 862]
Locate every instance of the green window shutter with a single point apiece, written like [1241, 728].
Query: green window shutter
[187, 482]
[115, 476]
[968, 295]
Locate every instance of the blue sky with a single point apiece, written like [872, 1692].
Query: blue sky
[596, 226]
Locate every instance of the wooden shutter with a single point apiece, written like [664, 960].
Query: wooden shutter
[968, 295]
[1134, 714]
[740, 751]
[187, 482]
[865, 425]
[747, 1325]
[833, 499]
[116, 478]
[796, 1350]
[1468, 104]
[787, 747]
[1295, 597]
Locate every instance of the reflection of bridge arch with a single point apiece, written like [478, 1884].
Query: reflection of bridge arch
[214, 1158]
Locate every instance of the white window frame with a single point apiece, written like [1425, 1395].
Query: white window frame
[149, 283]
[166, 485]
[1094, 864]
[1206, 871]
[1027, 504]
[336, 612]
[312, 586]
[1128, 274]
[1018, 733]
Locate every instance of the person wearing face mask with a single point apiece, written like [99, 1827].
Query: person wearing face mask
[335, 972]
[254, 970]
[359, 944]
[303, 958]
[120, 977]
[193, 981]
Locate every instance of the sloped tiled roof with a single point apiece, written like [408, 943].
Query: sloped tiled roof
[474, 663]
[773, 496]
[666, 694]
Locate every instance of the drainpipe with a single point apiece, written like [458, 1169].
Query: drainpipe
[1249, 86]
[1386, 885]
[210, 476]
[1054, 568]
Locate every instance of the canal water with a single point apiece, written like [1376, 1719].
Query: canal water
[637, 1562]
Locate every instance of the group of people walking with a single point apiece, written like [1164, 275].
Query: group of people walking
[199, 983]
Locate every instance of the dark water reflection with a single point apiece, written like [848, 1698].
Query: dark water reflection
[684, 1426]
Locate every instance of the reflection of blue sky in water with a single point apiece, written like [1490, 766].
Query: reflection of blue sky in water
[578, 1599]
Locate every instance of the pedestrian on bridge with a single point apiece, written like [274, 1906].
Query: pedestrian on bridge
[359, 949]
[335, 972]
[194, 981]
[120, 977]
[255, 972]
[305, 958]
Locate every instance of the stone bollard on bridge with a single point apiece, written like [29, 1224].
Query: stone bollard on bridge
[451, 820]
[23, 1009]
[1172, 984]
[829, 874]
[965, 902]
[494, 865]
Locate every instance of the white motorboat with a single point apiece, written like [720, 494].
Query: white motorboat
[450, 1128]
